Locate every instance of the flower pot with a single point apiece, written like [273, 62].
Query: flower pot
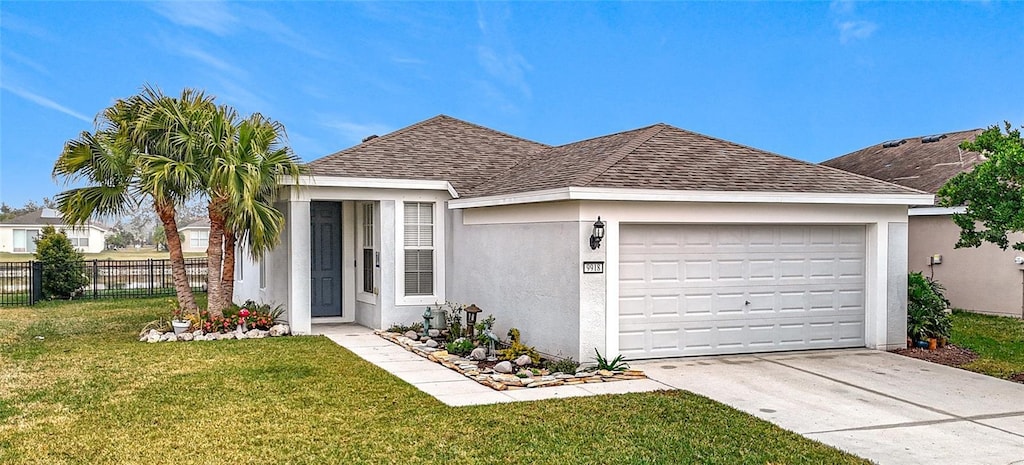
[922, 344]
[180, 326]
[933, 343]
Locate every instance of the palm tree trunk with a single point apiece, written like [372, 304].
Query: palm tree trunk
[227, 284]
[186, 300]
[215, 260]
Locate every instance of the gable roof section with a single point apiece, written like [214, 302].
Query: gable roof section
[663, 157]
[441, 148]
[914, 163]
[51, 217]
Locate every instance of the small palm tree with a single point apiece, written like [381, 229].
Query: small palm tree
[242, 188]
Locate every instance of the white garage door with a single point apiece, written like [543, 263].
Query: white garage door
[723, 289]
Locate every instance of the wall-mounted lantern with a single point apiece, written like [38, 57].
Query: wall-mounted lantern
[597, 235]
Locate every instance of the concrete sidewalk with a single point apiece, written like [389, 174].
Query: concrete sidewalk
[453, 388]
[884, 407]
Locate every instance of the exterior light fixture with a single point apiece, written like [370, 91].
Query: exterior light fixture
[471, 312]
[598, 234]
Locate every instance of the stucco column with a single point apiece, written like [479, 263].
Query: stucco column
[298, 267]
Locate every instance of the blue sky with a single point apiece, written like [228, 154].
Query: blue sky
[807, 80]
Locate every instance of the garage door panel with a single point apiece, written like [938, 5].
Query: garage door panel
[707, 289]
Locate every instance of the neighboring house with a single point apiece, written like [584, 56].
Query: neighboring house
[709, 247]
[18, 234]
[195, 235]
[984, 279]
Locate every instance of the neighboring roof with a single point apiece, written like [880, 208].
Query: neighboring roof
[668, 158]
[912, 162]
[440, 148]
[46, 216]
[197, 223]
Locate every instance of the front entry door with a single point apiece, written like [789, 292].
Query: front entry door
[325, 258]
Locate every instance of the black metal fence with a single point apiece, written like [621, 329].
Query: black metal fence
[21, 283]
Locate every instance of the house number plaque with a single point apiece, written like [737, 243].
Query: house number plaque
[593, 267]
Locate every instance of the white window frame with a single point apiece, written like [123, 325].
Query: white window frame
[438, 247]
[197, 241]
[366, 232]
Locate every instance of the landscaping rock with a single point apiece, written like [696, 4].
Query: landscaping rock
[412, 335]
[213, 336]
[200, 337]
[171, 337]
[227, 336]
[431, 343]
[255, 334]
[478, 353]
[198, 332]
[278, 330]
[241, 336]
[523, 360]
[153, 337]
[186, 336]
[503, 367]
[434, 333]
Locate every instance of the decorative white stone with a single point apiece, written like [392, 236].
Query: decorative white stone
[523, 360]
[198, 332]
[503, 367]
[166, 337]
[434, 333]
[213, 336]
[172, 338]
[412, 335]
[241, 336]
[431, 343]
[478, 353]
[186, 336]
[201, 337]
[278, 330]
[153, 338]
[227, 336]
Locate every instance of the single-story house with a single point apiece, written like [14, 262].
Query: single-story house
[195, 235]
[986, 279]
[18, 234]
[654, 242]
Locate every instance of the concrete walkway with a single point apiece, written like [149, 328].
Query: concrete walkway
[453, 388]
[884, 407]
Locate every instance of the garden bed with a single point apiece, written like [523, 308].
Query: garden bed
[520, 377]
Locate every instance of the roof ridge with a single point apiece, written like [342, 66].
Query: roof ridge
[737, 144]
[469, 123]
[603, 165]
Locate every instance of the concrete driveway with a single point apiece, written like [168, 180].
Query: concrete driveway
[880, 406]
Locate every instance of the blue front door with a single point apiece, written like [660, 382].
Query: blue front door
[325, 258]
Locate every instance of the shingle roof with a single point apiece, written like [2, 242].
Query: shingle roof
[52, 217]
[669, 158]
[916, 164]
[196, 223]
[440, 148]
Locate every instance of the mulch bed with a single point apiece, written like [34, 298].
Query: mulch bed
[950, 355]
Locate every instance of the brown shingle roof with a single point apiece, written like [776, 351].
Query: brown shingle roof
[669, 158]
[440, 148]
[46, 216]
[919, 165]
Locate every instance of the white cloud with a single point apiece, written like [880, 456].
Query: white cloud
[27, 62]
[210, 60]
[855, 30]
[44, 102]
[211, 16]
[842, 7]
[499, 58]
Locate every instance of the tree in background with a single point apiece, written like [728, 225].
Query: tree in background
[63, 275]
[993, 192]
[7, 212]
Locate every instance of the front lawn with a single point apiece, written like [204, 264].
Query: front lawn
[998, 341]
[87, 392]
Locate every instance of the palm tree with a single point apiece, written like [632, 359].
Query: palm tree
[145, 146]
[242, 188]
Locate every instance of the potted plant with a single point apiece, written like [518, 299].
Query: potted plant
[179, 321]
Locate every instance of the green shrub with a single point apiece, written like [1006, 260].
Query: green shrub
[565, 365]
[460, 346]
[616, 364]
[63, 275]
[926, 308]
[399, 328]
[516, 348]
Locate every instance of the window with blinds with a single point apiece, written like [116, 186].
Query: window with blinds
[419, 248]
[367, 243]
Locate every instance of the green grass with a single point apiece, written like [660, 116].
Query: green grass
[89, 393]
[998, 341]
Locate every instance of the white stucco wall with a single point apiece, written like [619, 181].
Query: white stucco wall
[525, 274]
